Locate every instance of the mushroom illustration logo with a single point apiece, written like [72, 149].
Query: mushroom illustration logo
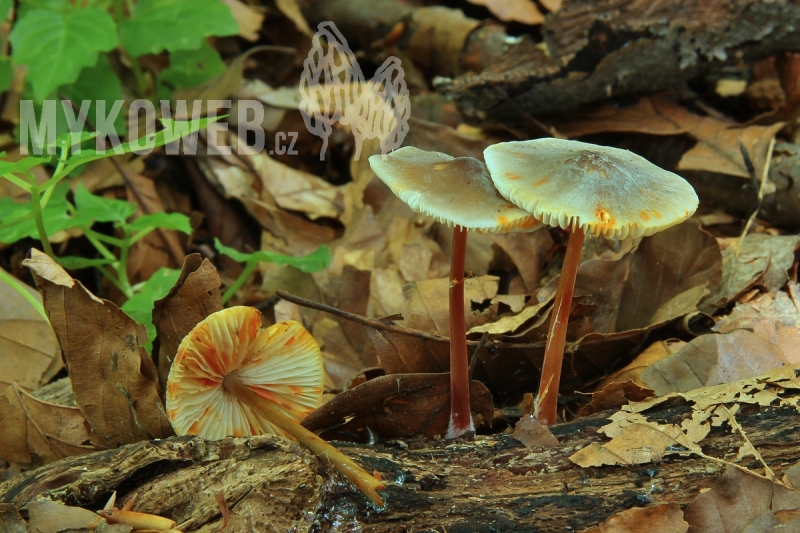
[457, 192]
[333, 89]
[232, 378]
[584, 188]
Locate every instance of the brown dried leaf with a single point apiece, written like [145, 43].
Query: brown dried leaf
[743, 502]
[33, 431]
[428, 304]
[615, 395]
[194, 297]
[10, 520]
[408, 354]
[248, 19]
[533, 434]
[395, 406]
[524, 11]
[718, 149]
[291, 10]
[528, 251]
[662, 518]
[712, 360]
[52, 517]
[31, 354]
[114, 381]
[631, 372]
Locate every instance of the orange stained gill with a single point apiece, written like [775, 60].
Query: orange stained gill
[542, 181]
[502, 221]
[513, 177]
[656, 214]
[605, 217]
[643, 215]
[439, 166]
[290, 341]
[193, 429]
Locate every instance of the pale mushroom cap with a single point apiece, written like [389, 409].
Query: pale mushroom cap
[281, 363]
[606, 191]
[454, 191]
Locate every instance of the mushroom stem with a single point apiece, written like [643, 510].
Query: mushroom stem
[460, 416]
[554, 351]
[365, 482]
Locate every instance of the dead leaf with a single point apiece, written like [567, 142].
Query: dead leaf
[114, 381]
[524, 11]
[31, 354]
[52, 517]
[712, 360]
[528, 251]
[509, 324]
[194, 296]
[11, 521]
[742, 502]
[533, 434]
[248, 19]
[428, 307]
[394, 406]
[662, 518]
[36, 432]
[615, 395]
[291, 10]
[408, 354]
[761, 259]
[631, 372]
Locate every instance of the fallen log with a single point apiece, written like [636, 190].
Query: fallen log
[492, 483]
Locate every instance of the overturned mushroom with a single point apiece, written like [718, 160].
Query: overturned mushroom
[457, 192]
[232, 378]
[584, 188]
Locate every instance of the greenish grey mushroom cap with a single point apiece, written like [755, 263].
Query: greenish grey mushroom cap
[456, 191]
[606, 191]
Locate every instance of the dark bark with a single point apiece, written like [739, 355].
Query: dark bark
[490, 484]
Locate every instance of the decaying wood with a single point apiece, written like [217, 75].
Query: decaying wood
[591, 50]
[490, 484]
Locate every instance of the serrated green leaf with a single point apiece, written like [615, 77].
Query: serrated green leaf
[140, 306]
[95, 83]
[55, 46]
[74, 262]
[316, 260]
[158, 25]
[189, 68]
[176, 221]
[24, 164]
[56, 217]
[173, 130]
[102, 209]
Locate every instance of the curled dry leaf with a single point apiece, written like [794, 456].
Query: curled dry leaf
[533, 434]
[631, 372]
[33, 431]
[114, 381]
[394, 406]
[740, 501]
[409, 354]
[52, 517]
[248, 19]
[10, 519]
[663, 518]
[31, 354]
[524, 11]
[194, 297]
[615, 395]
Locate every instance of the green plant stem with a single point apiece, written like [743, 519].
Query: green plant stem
[95, 239]
[50, 184]
[20, 220]
[111, 277]
[18, 182]
[113, 241]
[250, 266]
[138, 75]
[36, 209]
[20, 288]
[122, 267]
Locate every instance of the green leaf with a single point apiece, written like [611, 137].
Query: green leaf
[316, 260]
[140, 306]
[24, 164]
[189, 68]
[5, 7]
[99, 82]
[158, 25]
[56, 217]
[176, 221]
[55, 46]
[102, 209]
[173, 130]
[74, 262]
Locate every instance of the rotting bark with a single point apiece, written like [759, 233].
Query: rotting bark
[490, 484]
[592, 50]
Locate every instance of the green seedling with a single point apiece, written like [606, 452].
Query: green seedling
[140, 306]
[316, 260]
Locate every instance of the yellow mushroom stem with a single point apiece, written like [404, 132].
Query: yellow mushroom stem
[554, 351]
[365, 482]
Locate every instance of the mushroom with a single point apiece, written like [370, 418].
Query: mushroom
[584, 188]
[232, 378]
[457, 192]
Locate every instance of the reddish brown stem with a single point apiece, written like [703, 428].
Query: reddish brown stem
[460, 416]
[554, 351]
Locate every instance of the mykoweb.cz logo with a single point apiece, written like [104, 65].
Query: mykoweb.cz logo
[332, 89]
